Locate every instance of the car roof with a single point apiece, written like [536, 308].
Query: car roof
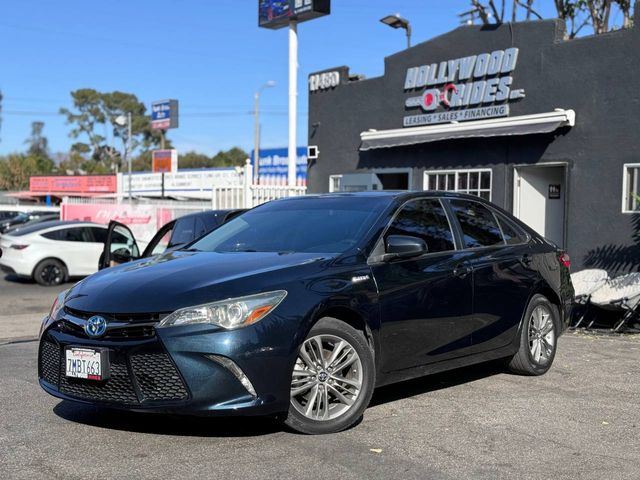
[51, 224]
[390, 194]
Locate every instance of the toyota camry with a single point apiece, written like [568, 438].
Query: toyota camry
[300, 307]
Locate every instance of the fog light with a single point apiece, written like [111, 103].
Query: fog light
[236, 370]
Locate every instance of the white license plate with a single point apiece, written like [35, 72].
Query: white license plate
[87, 363]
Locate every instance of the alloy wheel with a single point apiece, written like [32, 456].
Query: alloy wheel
[542, 335]
[51, 275]
[327, 378]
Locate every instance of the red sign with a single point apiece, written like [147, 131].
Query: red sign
[74, 184]
[164, 161]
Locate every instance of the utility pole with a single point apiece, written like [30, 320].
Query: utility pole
[128, 150]
[293, 101]
[256, 149]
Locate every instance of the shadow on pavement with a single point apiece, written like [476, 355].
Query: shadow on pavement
[438, 381]
[160, 424]
[239, 426]
[13, 278]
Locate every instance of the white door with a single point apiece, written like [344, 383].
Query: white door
[539, 200]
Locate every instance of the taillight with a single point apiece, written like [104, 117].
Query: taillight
[565, 259]
[18, 247]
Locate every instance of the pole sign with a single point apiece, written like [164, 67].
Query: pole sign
[274, 164]
[461, 89]
[164, 161]
[276, 14]
[164, 114]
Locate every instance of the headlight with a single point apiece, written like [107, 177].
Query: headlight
[58, 304]
[231, 313]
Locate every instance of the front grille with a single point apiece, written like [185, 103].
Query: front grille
[149, 368]
[134, 379]
[117, 389]
[129, 332]
[119, 317]
[50, 362]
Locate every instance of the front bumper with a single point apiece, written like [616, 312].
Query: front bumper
[174, 370]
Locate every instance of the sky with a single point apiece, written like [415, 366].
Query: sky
[208, 54]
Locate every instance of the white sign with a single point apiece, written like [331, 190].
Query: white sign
[457, 89]
[324, 81]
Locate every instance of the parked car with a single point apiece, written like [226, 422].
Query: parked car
[172, 235]
[7, 214]
[24, 217]
[20, 226]
[54, 251]
[301, 307]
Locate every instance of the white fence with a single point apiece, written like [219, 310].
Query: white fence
[145, 216]
[248, 195]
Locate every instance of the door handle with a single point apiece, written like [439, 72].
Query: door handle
[461, 270]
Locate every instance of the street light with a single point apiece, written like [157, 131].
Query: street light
[396, 21]
[122, 121]
[256, 150]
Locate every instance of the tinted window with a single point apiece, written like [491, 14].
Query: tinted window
[99, 234]
[183, 232]
[513, 235]
[78, 234]
[425, 219]
[479, 226]
[320, 225]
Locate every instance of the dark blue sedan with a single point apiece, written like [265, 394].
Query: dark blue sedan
[300, 307]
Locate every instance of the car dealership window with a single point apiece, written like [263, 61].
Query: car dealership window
[479, 225]
[427, 220]
[631, 188]
[473, 181]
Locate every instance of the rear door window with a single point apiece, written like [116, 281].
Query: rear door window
[76, 234]
[478, 224]
[425, 219]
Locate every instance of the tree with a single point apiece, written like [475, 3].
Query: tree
[15, 170]
[38, 143]
[94, 109]
[577, 14]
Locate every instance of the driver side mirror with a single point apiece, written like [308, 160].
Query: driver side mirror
[405, 246]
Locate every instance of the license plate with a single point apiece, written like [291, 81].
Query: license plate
[87, 363]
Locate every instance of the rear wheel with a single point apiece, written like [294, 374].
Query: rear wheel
[538, 338]
[332, 380]
[50, 272]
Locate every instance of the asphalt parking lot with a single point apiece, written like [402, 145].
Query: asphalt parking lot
[580, 421]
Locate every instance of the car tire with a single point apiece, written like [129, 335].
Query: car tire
[50, 273]
[538, 338]
[341, 395]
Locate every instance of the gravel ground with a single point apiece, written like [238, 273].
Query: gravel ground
[579, 421]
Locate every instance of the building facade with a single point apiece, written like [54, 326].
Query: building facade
[544, 127]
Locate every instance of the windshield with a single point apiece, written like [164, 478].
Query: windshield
[313, 225]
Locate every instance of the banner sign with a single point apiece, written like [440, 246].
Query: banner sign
[141, 219]
[469, 88]
[164, 114]
[276, 14]
[74, 184]
[273, 166]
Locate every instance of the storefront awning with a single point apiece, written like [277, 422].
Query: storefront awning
[497, 127]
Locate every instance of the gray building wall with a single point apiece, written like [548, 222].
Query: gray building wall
[597, 76]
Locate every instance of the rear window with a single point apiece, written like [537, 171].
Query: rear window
[479, 226]
[513, 234]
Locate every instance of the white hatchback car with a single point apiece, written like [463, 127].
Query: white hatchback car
[52, 252]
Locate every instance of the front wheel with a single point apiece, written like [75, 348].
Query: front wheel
[538, 338]
[332, 380]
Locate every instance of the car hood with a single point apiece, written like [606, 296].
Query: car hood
[178, 279]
